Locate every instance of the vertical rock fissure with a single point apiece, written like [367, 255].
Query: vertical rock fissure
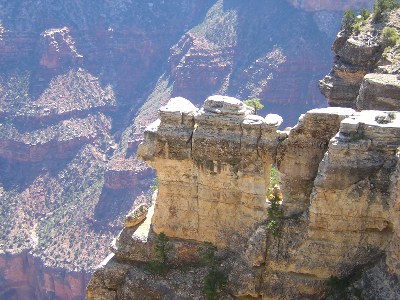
[240, 138]
[258, 141]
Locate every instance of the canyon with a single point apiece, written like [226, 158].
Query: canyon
[81, 80]
[329, 231]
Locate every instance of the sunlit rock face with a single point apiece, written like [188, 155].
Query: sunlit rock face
[338, 177]
[190, 149]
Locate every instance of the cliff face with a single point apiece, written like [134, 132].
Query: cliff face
[25, 277]
[214, 167]
[79, 81]
[364, 75]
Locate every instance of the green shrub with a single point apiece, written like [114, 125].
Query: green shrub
[274, 178]
[348, 20]
[357, 27]
[383, 6]
[213, 281]
[386, 119]
[156, 184]
[161, 249]
[254, 103]
[389, 37]
[275, 213]
[207, 254]
[215, 278]
[365, 14]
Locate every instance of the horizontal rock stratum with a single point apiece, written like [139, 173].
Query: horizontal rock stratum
[339, 173]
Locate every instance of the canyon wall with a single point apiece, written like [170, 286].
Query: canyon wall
[25, 277]
[214, 165]
[333, 234]
[80, 80]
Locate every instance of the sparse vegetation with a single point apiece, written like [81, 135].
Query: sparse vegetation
[352, 23]
[215, 278]
[274, 178]
[161, 249]
[348, 20]
[156, 184]
[254, 103]
[275, 213]
[365, 14]
[389, 37]
[381, 7]
[386, 118]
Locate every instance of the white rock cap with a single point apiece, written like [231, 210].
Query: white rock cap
[178, 104]
[273, 120]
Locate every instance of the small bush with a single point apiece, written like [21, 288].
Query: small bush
[215, 278]
[348, 20]
[386, 119]
[357, 27]
[213, 281]
[275, 213]
[274, 178]
[161, 249]
[254, 103]
[365, 14]
[389, 37]
[207, 254]
[156, 184]
[383, 6]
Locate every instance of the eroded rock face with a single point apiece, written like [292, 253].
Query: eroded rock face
[190, 149]
[364, 72]
[379, 91]
[339, 171]
[39, 281]
[300, 154]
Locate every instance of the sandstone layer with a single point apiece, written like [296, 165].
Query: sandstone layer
[338, 170]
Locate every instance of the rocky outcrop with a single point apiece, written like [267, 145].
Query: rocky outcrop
[59, 46]
[214, 164]
[74, 75]
[379, 91]
[300, 154]
[349, 217]
[180, 148]
[364, 72]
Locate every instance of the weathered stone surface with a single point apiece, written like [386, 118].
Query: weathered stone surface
[393, 252]
[189, 150]
[361, 54]
[358, 52]
[379, 91]
[136, 216]
[349, 212]
[339, 179]
[300, 154]
[342, 85]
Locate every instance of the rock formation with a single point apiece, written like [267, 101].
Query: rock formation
[364, 75]
[214, 164]
[73, 77]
